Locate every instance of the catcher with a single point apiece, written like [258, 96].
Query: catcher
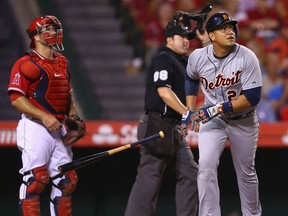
[40, 89]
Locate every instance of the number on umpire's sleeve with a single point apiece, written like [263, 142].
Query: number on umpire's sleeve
[162, 75]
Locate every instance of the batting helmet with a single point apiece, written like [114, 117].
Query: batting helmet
[39, 26]
[218, 20]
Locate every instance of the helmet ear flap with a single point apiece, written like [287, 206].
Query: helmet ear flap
[32, 28]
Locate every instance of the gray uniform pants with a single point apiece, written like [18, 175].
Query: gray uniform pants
[144, 195]
[243, 137]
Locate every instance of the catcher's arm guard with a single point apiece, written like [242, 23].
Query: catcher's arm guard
[76, 129]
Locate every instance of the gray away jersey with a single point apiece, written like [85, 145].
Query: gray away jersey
[223, 79]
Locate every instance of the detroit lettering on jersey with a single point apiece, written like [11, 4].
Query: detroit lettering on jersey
[224, 79]
[220, 80]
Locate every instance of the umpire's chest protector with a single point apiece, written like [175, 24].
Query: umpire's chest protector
[52, 91]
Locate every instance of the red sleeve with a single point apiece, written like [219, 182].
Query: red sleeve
[14, 96]
[18, 82]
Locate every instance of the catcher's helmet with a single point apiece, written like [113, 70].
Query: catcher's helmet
[39, 26]
[218, 20]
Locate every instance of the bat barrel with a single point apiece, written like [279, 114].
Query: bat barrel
[84, 161]
[81, 162]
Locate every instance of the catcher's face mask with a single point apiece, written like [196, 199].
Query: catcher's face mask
[192, 21]
[50, 28]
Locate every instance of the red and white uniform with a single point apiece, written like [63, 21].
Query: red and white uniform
[50, 91]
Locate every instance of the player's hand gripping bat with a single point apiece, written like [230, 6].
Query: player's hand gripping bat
[84, 161]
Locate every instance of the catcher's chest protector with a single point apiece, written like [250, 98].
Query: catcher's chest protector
[52, 90]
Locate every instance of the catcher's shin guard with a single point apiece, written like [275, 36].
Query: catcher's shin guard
[30, 207]
[39, 178]
[63, 204]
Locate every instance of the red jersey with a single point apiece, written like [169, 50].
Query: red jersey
[51, 90]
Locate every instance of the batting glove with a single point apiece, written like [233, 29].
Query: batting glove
[207, 113]
[186, 119]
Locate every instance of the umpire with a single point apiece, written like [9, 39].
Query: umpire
[164, 107]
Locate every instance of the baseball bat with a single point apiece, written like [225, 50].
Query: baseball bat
[85, 161]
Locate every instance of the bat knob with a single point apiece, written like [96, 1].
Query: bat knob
[161, 133]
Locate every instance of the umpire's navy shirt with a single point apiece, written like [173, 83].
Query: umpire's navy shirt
[167, 69]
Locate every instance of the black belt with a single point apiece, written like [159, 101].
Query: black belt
[237, 117]
[166, 118]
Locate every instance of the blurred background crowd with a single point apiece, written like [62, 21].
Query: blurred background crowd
[110, 44]
[262, 27]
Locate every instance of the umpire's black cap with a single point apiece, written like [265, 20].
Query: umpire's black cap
[181, 30]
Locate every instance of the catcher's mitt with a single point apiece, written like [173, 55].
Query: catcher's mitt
[76, 129]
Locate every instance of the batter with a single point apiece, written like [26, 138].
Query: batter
[230, 79]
